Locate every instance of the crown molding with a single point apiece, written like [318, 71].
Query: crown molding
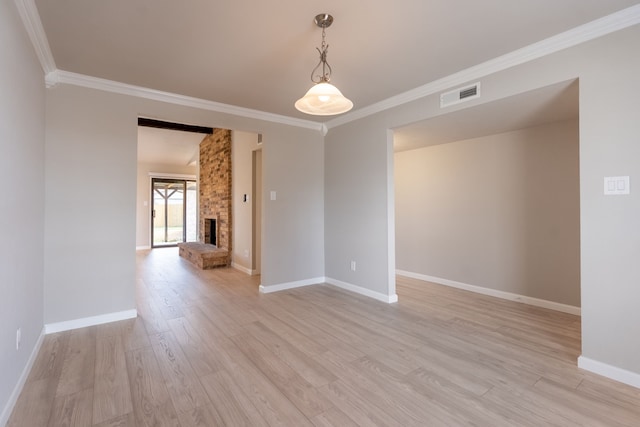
[65, 77]
[583, 33]
[589, 31]
[33, 25]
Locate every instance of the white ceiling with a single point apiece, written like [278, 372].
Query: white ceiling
[259, 54]
[168, 147]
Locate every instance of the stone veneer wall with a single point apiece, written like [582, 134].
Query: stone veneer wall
[215, 185]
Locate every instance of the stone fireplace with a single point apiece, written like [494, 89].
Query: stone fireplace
[214, 201]
[215, 186]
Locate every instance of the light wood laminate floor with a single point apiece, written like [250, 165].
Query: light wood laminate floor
[208, 350]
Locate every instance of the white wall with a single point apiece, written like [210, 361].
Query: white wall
[22, 129]
[243, 145]
[500, 212]
[91, 179]
[610, 242]
[143, 194]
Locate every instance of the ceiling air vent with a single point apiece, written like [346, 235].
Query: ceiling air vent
[459, 95]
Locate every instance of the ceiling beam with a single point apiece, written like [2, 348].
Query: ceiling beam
[159, 124]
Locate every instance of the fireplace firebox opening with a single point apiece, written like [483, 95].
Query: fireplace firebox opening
[210, 231]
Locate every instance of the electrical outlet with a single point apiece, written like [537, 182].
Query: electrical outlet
[18, 338]
[353, 266]
[246, 253]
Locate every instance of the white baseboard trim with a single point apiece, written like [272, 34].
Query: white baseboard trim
[246, 270]
[142, 248]
[389, 299]
[318, 280]
[494, 293]
[52, 328]
[11, 403]
[612, 372]
[290, 285]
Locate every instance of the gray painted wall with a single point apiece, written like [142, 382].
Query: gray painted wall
[610, 238]
[91, 179]
[356, 195]
[610, 146]
[22, 129]
[90, 222]
[500, 211]
[293, 224]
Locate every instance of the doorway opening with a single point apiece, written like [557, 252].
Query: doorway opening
[174, 212]
[256, 214]
[487, 198]
[170, 170]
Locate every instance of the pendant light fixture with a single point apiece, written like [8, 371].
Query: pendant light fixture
[323, 99]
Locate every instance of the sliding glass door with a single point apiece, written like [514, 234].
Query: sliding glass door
[174, 211]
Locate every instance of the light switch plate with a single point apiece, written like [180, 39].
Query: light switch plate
[616, 185]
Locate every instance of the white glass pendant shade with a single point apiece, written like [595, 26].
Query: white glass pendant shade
[323, 99]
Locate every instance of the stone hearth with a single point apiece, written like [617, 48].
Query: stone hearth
[204, 255]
